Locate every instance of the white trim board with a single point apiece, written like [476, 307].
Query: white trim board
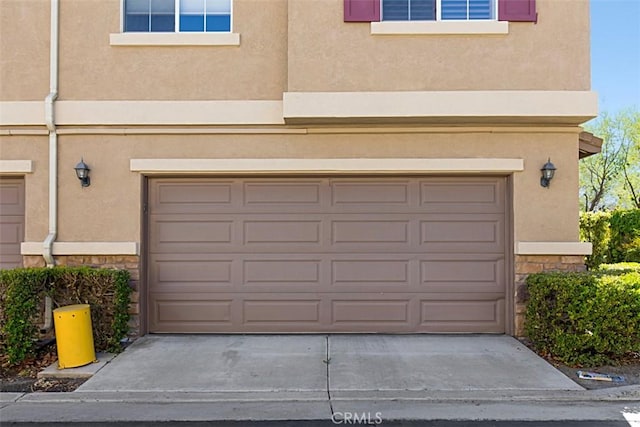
[174, 39]
[386, 28]
[82, 248]
[566, 107]
[421, 108]
[191, 113]
[16, 166]
[21, 113]
[145, 113]
[553, 248]
[315, 166]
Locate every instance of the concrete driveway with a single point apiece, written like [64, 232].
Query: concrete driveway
[318, 365]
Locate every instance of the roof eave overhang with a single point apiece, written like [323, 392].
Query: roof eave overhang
[589, 144]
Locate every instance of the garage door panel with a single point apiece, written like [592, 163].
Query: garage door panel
[279, 231]
[457, 195]
[12, 203]
[12, 197]
[463, 276]
[463, 316]
[191, 196]
[370, 311]
[463, 234]
[281, 311]
[189, 230]
[357, 193]
[194, 271]
[193, 313]
[370, 231]
[11, 230]
[277, 193]
[376, 273]
[370, 271]
[329, 255]
[209, 311]
[281, 271]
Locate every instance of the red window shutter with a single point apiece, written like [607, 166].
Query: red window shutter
[517, 10]
[361, 10]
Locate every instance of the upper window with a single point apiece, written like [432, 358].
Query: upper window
[177, 15]
[438, 10]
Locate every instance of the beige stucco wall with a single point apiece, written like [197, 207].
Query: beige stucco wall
[24, 50]
[109, 210]
[326, 54]
[92, 69]
[34, 148]
[290, 45]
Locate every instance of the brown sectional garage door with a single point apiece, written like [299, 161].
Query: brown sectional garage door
[11, 221]
[418, 254]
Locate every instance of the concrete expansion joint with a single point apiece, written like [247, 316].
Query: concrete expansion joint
[327, 362]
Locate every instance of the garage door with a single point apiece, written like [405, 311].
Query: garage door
[327, 255]
[11, 221]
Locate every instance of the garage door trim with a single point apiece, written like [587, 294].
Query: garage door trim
[392, 166]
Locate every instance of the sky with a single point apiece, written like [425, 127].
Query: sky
[615, 53]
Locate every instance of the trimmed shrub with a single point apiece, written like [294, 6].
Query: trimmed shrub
[619, 268]
[594, 228]
[584, 319]
[625, 235]
[22, 291]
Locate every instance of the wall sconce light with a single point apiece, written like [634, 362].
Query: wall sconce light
[82, 171]
[548, 170]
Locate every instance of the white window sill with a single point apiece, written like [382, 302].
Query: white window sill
[439, 27]
[174, 39]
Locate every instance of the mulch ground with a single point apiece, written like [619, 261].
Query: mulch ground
[23, 378]
[628, 367]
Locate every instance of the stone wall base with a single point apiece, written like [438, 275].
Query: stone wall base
[130, 263]
[529, 264]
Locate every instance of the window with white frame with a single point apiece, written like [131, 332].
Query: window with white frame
[177, 15]
[438, 10]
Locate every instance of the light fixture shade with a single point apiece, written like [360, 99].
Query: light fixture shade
[548, 171]
[82, 172]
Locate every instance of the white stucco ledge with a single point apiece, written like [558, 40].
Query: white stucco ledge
[315, 166]
[21, 113]
[174, 39]
[82, 248]
[16, 166]
[553, 248]
[439, 27]
[142, 113]
[568, 108]
[166, 113]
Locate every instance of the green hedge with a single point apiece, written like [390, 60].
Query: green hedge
[619, 268]
[625, 235]
[594, 228]
[615, 236]
[22, 293]
[584, 319]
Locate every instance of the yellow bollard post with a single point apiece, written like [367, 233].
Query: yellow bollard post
[74, 336]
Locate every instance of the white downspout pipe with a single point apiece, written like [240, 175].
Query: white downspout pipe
[49, 118]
